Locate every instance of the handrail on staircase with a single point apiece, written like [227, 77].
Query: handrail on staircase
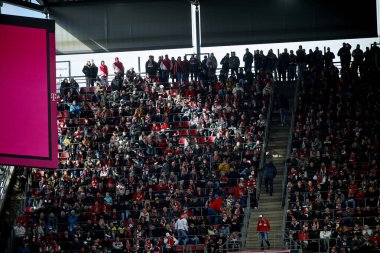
[244, 230]
[285, 202]
[265, 144]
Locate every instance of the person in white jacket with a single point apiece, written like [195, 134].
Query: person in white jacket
[182, 229]
[325, 236]
[19, 230]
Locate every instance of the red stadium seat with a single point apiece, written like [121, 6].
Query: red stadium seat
[200, 247]
[202, 140]
[176, 125]
[92, 89]
[83, 90]
[180, 248]
[211, 139]
[81, 98]
[184, 132]
[185, 124]
[193, 132]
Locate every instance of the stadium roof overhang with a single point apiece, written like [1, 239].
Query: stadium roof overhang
[44, 5]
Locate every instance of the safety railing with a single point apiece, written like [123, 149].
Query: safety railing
[244, 230]
[285, 203]
[265, 143]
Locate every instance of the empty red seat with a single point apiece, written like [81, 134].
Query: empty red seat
[193, 132]
[184, 132]
[211, 139]
[81, 98]
[92, 89]
[176, 125]
[185, 124]
[200, 247]
[202, 140]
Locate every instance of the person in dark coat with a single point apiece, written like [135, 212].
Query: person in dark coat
[248, 60]
[93, 72]
[87, 73]
[270, 172]
[283, 105]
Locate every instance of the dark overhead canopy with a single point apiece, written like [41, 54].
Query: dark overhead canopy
[88, 27]
[226, 22]
[43, 4]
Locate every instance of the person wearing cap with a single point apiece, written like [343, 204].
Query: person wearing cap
[118, 68]
[263, 228]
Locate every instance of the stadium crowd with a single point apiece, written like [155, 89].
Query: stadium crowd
[149, 164]
[157, 162]
[333, 175]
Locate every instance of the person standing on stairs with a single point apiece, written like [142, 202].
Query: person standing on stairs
[283, 105]
[263, 228]
[270, 172]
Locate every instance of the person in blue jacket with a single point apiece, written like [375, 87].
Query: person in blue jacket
[270, 172]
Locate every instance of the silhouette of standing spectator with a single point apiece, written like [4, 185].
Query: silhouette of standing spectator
[292, 66]
[93, 72]
[328, 58]
[234, 63]
[225, 62]
[151, 66]
[358, 57]
[248, 60]
[271, 62]
[211, 64]
[301, 62]
[87, 73]
[194, 68]
[283, 65]
[345, 55]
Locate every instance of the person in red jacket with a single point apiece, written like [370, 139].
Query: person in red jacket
[263, 228]
[215, 209]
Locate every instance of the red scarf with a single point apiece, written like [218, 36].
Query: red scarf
[120, 67]
[103, 70]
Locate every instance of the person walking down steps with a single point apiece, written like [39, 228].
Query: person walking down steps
[283, 105]
[270, 172]
[263, 228]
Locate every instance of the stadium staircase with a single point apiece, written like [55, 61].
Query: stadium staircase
[271, 206]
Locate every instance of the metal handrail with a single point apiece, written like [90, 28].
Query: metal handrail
[285, 202]
[265, 144]
[244, 229]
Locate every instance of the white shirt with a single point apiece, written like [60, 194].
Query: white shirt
[19, 231]
[181, 224]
